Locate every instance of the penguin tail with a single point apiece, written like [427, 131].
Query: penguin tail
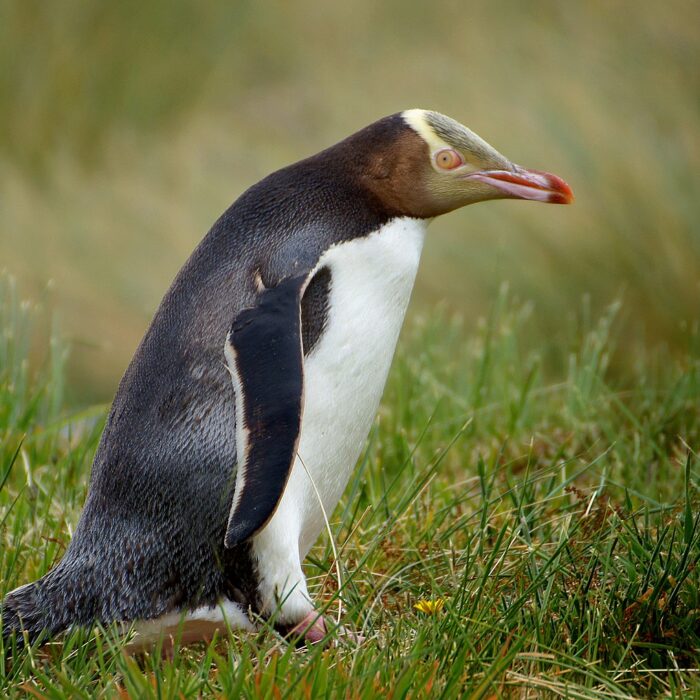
[25, 617]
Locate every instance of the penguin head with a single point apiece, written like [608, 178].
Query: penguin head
[422, 164]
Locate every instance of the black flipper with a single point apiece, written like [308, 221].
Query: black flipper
[265, 358]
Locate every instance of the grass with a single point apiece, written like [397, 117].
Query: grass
[532, 479]
[547, 526]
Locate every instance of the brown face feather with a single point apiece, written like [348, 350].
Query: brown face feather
[397, 174]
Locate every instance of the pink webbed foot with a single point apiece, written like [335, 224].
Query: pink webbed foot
[312, 628]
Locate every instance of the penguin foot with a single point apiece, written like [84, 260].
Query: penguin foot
[312, 629]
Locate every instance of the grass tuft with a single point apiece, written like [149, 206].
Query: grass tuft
[506, 533]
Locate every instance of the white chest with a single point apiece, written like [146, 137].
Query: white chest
[345, 373]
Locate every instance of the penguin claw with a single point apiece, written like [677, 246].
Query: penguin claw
[349, 635]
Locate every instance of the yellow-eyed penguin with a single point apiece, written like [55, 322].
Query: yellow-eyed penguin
[200, 509]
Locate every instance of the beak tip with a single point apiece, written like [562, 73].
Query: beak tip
[561, 193]
[558, 197]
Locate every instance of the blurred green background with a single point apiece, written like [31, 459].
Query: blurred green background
[127, 127]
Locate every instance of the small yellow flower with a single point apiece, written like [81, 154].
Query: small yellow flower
[430, 607]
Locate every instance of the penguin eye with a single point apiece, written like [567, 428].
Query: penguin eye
[448, 159]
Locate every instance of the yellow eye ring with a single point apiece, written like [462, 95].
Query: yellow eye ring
[448, 159]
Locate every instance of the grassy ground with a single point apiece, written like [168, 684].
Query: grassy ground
[507, 533]
[533, 475]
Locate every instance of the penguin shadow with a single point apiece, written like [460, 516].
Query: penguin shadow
[312, 632]
[169, 646]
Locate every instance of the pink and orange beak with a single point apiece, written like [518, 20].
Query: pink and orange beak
[526, 184]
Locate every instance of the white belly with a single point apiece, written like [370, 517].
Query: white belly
[345, 373]
[344, 377]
